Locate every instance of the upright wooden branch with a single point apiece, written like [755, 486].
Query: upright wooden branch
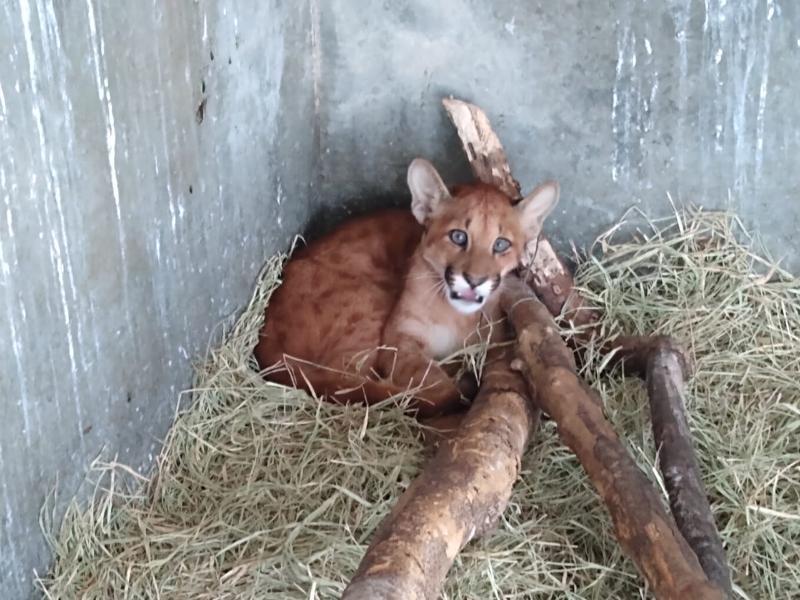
[485, 153]
[458, 496]
[643, 527]
[549, 276]
[677, 462]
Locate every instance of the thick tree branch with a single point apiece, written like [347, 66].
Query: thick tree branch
[458, 496]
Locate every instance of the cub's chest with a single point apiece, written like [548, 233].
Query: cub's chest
[443, 340]
[440, 339]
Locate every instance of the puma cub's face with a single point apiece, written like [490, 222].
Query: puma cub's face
[474, 238]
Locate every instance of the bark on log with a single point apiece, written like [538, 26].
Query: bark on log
[677, 462]
[458, 496]
[643, 527]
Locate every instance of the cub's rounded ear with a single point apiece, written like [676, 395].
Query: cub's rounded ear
[534, 208]
[428, 190]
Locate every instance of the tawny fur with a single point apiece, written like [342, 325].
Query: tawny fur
[365, 312]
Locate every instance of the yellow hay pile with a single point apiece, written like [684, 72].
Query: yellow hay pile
[263, 492]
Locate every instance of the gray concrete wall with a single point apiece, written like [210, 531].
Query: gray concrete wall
[129, 226]
[622, 101]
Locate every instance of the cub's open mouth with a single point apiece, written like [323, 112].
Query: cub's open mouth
[466, 296]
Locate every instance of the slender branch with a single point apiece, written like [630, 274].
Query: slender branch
[678, 464]
[547, 273]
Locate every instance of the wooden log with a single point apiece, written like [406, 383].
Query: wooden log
[663, 363]
[458, 496]
[677, 462]
[642, 525]
[651, 357]
[485, 153]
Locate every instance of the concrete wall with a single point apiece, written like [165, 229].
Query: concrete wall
[129, 225]
[621, 100]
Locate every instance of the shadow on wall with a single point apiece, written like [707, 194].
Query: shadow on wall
[348, 187]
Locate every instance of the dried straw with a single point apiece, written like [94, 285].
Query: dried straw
[263, 492]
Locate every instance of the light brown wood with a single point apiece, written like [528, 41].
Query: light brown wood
[648, 357]
[485, 153]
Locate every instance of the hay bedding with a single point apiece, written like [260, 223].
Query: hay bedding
[262, 492]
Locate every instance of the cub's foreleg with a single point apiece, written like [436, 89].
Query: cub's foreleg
[406, 363]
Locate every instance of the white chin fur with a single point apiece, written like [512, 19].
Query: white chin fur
[466, 307]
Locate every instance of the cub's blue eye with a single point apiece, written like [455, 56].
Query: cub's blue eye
[458, 237]
[501, 245]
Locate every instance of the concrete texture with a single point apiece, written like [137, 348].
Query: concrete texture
[622, 101]
[155, 153]
[129, 226]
